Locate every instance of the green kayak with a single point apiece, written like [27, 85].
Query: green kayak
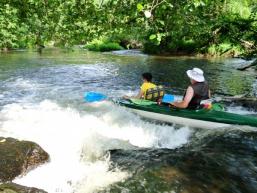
[203, 118]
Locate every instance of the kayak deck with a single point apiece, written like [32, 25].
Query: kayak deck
[203, 118]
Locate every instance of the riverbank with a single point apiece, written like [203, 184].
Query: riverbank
[110, 47]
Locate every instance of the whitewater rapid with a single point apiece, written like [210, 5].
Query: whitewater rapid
[78, 142]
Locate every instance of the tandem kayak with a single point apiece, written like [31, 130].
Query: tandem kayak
[202, 118]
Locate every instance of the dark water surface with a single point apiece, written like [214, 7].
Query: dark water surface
[222, 161]
[157, 157]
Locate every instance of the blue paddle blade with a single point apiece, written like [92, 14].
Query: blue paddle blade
[94, 97]
[168, 98]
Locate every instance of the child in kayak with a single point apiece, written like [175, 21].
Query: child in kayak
[147, 84]
[196, 92]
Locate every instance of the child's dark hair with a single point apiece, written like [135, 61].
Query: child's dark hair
[147, 76]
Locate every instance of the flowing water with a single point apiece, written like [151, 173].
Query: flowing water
[102, 147]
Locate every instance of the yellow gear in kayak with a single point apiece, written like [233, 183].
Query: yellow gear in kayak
[145, 86]
[154, 94]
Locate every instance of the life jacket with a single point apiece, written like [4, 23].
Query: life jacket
[154, 94]
[201, 92]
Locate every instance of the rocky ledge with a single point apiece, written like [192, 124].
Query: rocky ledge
[15, 188]
[19, 157]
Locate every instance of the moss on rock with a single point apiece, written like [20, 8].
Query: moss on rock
[16, 188]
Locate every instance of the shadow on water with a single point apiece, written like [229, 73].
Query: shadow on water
[218, 162]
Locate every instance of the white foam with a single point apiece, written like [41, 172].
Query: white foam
[255, 88]
[240, 110]
[77, 143]
[21, 83]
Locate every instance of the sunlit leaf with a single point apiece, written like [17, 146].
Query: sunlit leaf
[153, 36]
[140, 7]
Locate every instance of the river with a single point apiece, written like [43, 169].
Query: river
[105, 148]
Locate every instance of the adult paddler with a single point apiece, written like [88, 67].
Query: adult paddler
[196, 92]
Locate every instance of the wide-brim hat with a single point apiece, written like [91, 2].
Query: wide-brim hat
[196, 74]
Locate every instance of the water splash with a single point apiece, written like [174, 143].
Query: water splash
[255, 88]
[78, 142]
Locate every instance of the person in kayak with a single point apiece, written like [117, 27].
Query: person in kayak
[147, 84]
[196, 92]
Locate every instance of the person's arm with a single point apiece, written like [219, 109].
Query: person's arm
[209, 94]
[138, 96]
[184, 104]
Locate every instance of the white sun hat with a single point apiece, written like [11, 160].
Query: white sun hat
[196, 74]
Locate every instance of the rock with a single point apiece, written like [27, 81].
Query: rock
[131, 44]
[18, 157]
[245, 67]
[16, 188]
[247, 102]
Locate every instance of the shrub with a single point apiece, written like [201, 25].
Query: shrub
[103, 46]
[224, 49]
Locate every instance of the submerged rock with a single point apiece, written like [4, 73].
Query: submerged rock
[249, 65]
[247, 102]
[16, 188]
[18, 157]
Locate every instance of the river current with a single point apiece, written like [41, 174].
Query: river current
[102, 147]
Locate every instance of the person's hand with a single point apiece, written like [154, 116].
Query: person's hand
[171, 105]
[159, 102]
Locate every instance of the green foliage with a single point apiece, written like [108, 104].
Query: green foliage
[224, 49]
[140, 7]
[9, 30]
[174, 26]
[151, 48]
[240, 8]
[103, 46]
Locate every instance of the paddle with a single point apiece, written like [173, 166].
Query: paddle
[97, 97]
[168, 98]
[94, 97]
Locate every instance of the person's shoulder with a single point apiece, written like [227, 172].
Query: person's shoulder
[143, 85]
[190, 88]
[148, 84]
[153, 84]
